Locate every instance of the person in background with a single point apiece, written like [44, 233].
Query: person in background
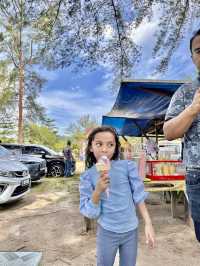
[183, 120]
[151, 149]
[121, 153]
[68, 159]
[128, 152]
[117, 218]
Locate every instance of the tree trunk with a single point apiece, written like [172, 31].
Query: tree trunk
[20, 104]
[21, 81]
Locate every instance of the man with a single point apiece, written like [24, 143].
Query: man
[68, 159]
[183, 120]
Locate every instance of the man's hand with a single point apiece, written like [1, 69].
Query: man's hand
[195, 106]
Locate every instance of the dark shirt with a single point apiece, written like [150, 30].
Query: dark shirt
[67, 153]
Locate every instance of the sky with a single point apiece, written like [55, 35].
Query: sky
[68, 96]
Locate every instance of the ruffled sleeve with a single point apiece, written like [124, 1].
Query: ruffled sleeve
[87, 207]
[137, 186]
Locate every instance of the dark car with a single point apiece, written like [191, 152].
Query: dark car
[36, 166]
[54, 160]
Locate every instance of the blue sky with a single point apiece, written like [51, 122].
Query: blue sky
[67, 96]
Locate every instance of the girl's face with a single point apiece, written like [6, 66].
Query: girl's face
[103, 145]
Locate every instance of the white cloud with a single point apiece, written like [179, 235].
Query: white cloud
[50, 75]
[65, 100]
[144, 33]
[76, 103]
[108, 31]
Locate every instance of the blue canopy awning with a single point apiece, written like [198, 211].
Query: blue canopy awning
[140, 106]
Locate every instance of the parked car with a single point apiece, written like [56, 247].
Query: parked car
[36, 166]
[14, 178]
[54, 160]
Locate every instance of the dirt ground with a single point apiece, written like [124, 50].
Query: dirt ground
[48, 220]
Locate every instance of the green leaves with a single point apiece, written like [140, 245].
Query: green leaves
[44, 136]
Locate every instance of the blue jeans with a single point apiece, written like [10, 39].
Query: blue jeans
[109, 242]
[68, 166]
[193, 192]
[197, 230]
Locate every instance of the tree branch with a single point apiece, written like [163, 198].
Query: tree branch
[29, 61]
[12, 56]
[176, 36]
[123, 53]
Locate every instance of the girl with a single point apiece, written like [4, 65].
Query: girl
[116, 214]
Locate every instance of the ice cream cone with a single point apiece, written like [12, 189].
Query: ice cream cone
[103, 164]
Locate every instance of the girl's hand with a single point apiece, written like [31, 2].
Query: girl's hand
[150, 235]
[103, 182]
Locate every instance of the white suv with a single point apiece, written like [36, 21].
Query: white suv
[14, 179]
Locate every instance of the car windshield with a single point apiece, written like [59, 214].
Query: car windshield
[52, 152]
[4, 152]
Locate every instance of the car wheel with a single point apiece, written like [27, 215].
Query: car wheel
[56, 170]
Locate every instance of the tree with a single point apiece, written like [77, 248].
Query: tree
[21, 39]
[176, 18]
[7, 127]
[81, 125]
[78, 130]
[88, 33]
[33, 112]
[91, 34]
[5, 98]
[6, 89]
[44, 136]
[7, 131]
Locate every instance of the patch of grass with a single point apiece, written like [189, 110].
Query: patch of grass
[52, 184]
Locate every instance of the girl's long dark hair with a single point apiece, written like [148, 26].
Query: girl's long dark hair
[90, 160]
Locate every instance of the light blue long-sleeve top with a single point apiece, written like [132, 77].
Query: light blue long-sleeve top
[116, 212]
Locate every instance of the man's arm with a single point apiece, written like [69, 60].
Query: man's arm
[179, 125]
